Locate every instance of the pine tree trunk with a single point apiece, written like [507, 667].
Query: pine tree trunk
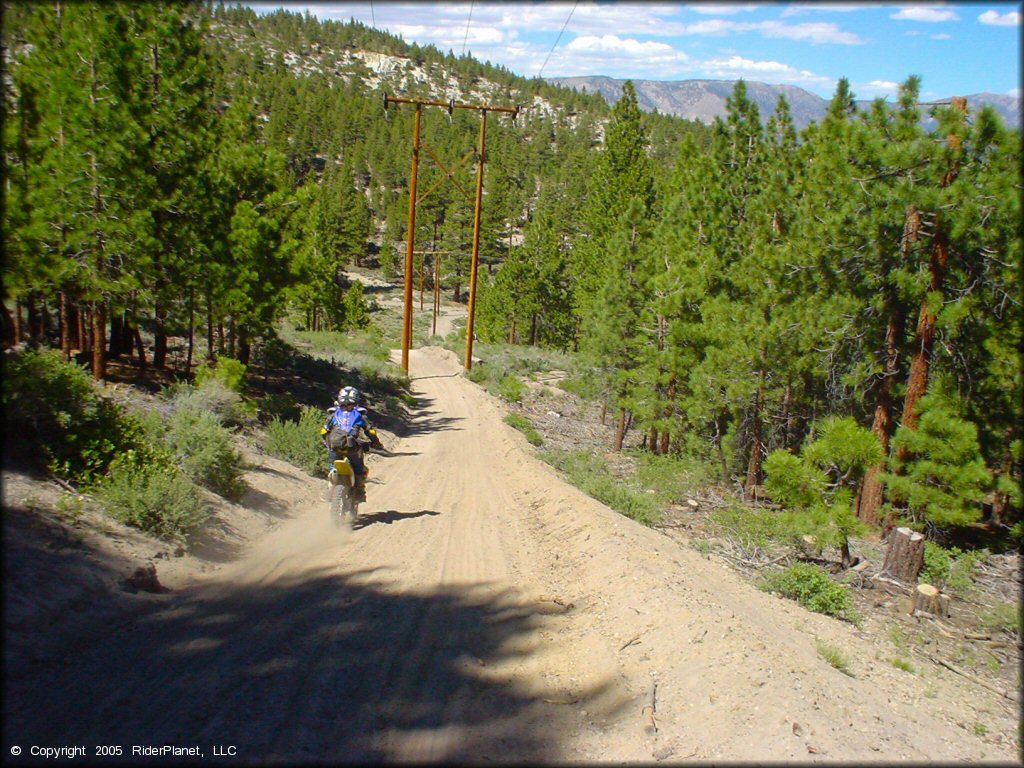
[938, 262]
[140, 346]
[160, 335]
[99, 328]
[10, 333]
[65, 325]
[17, 325]
[652, 441]
[787, 416]
[757, 443]
[620, 432]
[872, 491]
[209, 325]
[44, 318]
[33, 318]
[670, 398]
[83, 337]
[720, 449]
[844, 552]
[114, 343]
[191, 329]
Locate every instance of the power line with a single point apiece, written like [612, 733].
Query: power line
[558, 39]
[373, 18]
[467, 27]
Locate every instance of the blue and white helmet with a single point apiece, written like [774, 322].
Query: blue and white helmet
[348, 396]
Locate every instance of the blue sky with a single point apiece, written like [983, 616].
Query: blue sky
[957, 49]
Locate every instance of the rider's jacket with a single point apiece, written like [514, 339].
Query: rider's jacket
[349, 422]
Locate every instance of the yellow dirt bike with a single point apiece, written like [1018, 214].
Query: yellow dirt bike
[344, 504]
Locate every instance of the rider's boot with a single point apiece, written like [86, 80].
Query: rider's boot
[360, 488]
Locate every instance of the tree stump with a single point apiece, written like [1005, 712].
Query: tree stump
[809, 546]
[929, 600]
[905, 556]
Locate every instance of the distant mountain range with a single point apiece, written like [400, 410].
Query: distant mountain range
[704, 100]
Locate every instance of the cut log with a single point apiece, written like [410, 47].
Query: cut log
[929, 600]
[905, 556]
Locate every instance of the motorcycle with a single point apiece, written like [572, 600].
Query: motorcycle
[344, 504]
[343, 493]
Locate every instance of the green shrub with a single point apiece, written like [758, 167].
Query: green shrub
[810, 586]
[754, 527]
[902, 664]
[158, 499]
[282, 406]
[951, 569]
[206, 451]
[214, 396]
[584, 386]
[792, 481]
[511, 388]
[1005, 616]
[833, 656]
[523, 425]
[299, 442]
[60, 416]
[673, 477]
[819, 484]
[592, 475]
[227, 370]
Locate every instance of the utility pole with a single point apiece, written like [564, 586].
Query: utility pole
[450, 105]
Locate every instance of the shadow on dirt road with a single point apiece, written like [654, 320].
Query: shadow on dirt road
[327, 668]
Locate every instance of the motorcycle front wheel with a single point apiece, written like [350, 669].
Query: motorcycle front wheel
[343, 506]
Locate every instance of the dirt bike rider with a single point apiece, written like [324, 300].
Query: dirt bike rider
[349, 418]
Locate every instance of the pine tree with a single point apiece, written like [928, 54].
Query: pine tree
[939, 476]
[622, 174]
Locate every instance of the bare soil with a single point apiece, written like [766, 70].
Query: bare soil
[482, 610]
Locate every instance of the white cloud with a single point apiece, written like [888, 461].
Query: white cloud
[924, 13]
[1015, 92]
[879, 88]
[721, 10]
[800, 10]
[813, 32]
[769, 71]
[995, 19]
[445, 37]
[942, 36]
[616, 46]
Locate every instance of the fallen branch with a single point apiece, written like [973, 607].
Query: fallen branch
[972, 678]
[65, 485]
[753, 563]
[629, 643]
[648, 711]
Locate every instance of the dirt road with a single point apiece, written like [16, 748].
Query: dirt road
[483, 610]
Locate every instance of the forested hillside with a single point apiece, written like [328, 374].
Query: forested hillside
[833, 315]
